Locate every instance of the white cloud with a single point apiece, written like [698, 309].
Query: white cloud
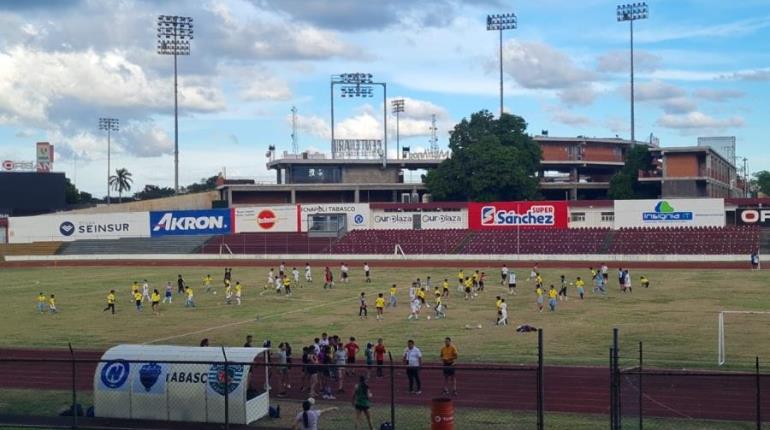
[718, 96]
[538, 65]
[266, 87]
[312, 124]
[678, 105]
[620, 61]
[578, 96]
[653, 91]
[566, 117]
[617, 125]
[698, 120]
[757, 75]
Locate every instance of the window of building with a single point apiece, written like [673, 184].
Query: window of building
[608, 216]
[578, 217]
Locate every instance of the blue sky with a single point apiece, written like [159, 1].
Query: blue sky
[703, 69]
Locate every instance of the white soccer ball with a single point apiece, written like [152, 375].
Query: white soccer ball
[215, 292]
[428, 317]
[479, 326]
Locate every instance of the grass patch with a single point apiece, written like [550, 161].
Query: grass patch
[676, 318]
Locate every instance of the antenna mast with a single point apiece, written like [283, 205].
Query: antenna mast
[433, 137]
[294, 145]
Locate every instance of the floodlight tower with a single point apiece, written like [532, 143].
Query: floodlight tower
[361, 85]
[500, 22]
[294, 145]
[632, 12]
[398, 107]
[174, 36]
[109, 125]
[433, 136]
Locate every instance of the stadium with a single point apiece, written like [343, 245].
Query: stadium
[512, 281]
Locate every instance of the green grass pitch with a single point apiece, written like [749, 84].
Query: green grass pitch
[676, 317]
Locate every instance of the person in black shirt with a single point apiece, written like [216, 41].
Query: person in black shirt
[180, 285]
[249, 339]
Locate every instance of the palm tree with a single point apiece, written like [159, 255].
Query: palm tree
[121, 181]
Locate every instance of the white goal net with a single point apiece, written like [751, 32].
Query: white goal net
[746, 329]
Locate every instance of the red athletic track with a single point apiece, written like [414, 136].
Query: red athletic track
[381, 263]
[567, 389]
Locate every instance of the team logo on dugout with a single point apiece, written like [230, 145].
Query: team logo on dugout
[218, 379]
[115, 373]
[543, 215]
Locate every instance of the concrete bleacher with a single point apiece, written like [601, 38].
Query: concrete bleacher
[138, 245]
[268, 243]
[36, 248]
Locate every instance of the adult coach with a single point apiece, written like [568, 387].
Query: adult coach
[448, 358]
[413, 360]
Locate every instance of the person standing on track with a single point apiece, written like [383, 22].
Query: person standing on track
[362, 401]
[448, 358]
[413, 360]
[379, 356]
[110, 302]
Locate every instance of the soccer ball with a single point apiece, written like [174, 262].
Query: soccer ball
[479, 326]
[215, 292]
[428, 317]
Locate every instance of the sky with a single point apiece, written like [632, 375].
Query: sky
[702, 69]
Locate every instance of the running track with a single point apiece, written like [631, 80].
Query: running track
[567, 389]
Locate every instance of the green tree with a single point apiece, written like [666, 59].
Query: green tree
[205, 184]
[625, 184]
[73, 196]
[761, 182]
[153, 192]
[492, 159]
[121, 181]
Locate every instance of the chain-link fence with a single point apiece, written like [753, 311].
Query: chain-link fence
[79, 390]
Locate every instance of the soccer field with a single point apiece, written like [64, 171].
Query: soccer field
[676, 317]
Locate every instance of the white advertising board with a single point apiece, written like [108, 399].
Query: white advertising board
[57, 228]
[421, 220]
[357, 213]
[267, 219]
[670, 213]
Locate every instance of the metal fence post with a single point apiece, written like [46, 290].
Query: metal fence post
[641, 392]
[540, 389]
[227, 392]
[74, 389]
[759, 404]
[392, 393]
[616, 373]
[612, 390]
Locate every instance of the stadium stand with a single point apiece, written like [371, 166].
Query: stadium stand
[267, 243]
[411, 241]
[147, 245]
[537, 241]
[690, 240]
[731, 240]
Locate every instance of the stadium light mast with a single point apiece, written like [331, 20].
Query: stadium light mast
[500, 22]
[631, 12]
[174, 36]
[398, 107]
[361, 85]
[109, 125]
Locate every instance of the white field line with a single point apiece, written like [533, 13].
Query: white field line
[232, 324]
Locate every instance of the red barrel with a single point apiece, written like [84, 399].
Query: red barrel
[442, 414]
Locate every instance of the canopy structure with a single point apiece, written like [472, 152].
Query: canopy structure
[180, 383]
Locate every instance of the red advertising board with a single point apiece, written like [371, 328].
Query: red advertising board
[512, 215]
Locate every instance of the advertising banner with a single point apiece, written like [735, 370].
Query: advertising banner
[670, 213]
[357, 213]
[381, 220]
[56, 228]
[753, 216]
[512, 215]
[185, 223]
[266, 219]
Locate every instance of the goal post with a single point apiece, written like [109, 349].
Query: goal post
[721, 347]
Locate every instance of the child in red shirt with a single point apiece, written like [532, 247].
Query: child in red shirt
[379, 356]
